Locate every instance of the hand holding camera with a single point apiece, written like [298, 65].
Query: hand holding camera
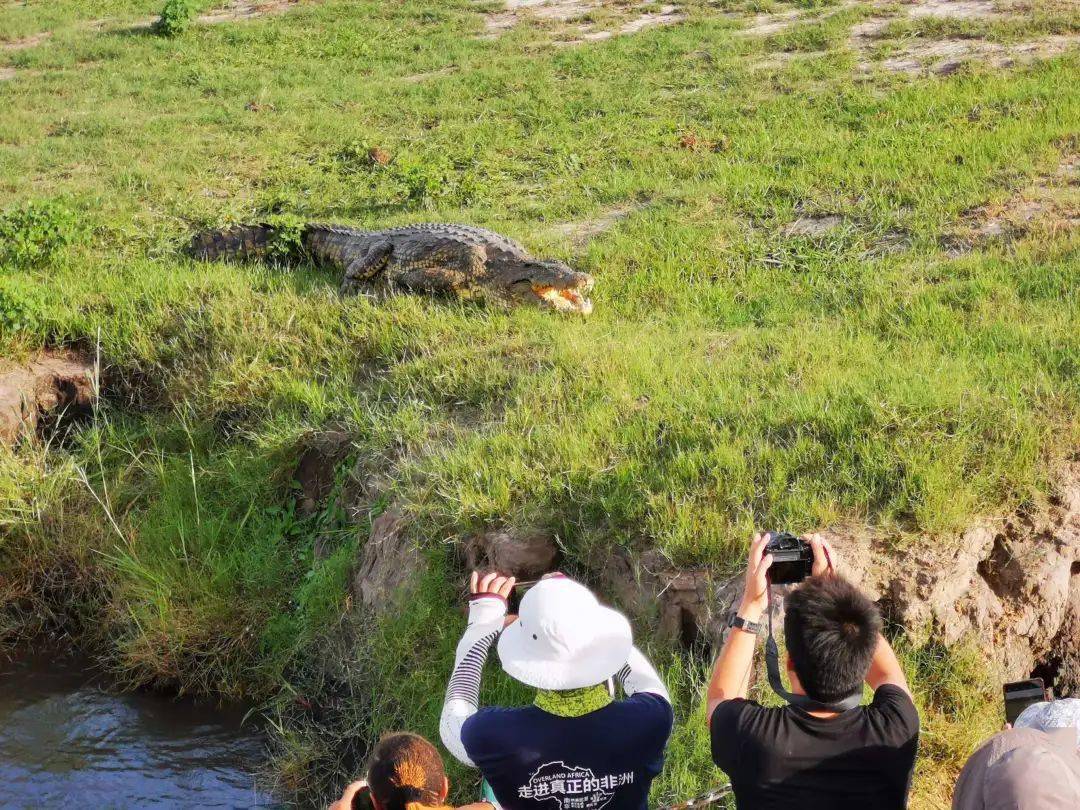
[755, 599]
[781, 558]
[796, 558]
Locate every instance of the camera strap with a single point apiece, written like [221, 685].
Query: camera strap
[772, 664]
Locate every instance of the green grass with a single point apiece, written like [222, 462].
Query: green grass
[731, 376]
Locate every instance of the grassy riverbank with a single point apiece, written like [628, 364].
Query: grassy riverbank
[827, 290]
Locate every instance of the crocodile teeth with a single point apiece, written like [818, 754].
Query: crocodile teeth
[564, 300]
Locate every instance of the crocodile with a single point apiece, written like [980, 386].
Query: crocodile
[459, 260]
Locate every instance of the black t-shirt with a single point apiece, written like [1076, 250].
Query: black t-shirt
[784, 758]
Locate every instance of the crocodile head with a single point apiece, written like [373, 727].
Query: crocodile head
[550, 284]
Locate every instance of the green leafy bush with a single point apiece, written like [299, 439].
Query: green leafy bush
[176, 16]
[32, 234]
[20, 307]
[287, 240]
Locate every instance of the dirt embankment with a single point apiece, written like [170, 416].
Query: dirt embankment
[45, 391]
[1011, 584]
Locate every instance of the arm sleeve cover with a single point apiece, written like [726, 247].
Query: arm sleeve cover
[463, 692]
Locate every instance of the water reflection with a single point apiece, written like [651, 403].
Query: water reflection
[64, 737]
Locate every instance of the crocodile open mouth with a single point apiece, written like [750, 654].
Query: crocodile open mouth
[564, 300]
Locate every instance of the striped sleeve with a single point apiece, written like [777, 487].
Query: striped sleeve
[463, 692]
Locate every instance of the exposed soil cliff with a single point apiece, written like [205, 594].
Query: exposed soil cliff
[1013, 584]
[46, 389]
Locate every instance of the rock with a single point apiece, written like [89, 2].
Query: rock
[1009, 583]
[526, 557]
[52, 385]
[813, 226]
[390, 564]
[685, 609]
[686, 606]
[317, 468]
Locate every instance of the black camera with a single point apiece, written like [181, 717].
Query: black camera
[793, 559]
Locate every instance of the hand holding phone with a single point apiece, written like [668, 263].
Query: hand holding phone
[356, 796]
[1021, 694]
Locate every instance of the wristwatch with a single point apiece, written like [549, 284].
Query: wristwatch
[739, 623]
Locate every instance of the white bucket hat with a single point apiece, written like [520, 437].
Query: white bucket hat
[1050, 715]
[564, 638]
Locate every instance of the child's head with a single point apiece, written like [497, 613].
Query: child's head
[406, 773]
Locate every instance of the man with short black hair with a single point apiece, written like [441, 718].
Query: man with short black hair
[823, 754]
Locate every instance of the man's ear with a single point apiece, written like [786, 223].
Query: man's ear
[445, 789]
[790, 667]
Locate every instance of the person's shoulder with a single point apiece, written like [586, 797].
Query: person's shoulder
[734, 724]
[894, 702]
[490, 726]
[648, 707]
[1039, 768]
[729, 714]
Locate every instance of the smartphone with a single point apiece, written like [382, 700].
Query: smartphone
[1021, 694]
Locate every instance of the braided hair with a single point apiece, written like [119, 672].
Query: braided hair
[406, 773]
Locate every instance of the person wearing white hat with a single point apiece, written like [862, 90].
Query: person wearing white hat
[576, 747]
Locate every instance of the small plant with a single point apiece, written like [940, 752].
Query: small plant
[287, 240]
[356, 157]
[31, 235]
[176, 16]
[20, 308]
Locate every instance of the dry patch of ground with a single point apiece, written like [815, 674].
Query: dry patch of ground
[577, 18]
[956, 9]
[764, 25]
[947, 55]
[942, 56]
[6, 74]
[31, 41]
[1049, 204]
[234, 11]
[813, 226]
[246, 9]
[922, 54]
[580, 232]
[822, 225]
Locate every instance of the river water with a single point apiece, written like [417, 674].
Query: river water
[65, 738]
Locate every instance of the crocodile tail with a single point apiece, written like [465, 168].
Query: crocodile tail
[238, 242]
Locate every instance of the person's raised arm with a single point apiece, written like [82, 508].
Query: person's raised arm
[346, 800]
[885, 668]
[487, 615]
[731, 675]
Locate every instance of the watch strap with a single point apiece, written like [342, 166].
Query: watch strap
[739, 623]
